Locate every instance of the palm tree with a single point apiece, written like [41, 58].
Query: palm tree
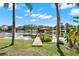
[58, 24]
[13, 24]
[29, 5]
[75, 17]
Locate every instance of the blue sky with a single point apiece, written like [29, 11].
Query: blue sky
[42, 14]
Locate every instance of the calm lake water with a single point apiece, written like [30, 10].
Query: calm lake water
[20, 36]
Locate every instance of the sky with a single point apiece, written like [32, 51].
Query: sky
[42, 14]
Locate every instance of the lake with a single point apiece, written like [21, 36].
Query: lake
[7, 35]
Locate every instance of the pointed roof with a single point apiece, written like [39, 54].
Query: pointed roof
[37, 42]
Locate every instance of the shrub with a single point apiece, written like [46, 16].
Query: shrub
[45, 38]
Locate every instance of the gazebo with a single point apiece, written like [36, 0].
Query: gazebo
[44, 30]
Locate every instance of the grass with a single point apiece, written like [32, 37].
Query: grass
[24, 48]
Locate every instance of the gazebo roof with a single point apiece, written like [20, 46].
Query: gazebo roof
[44, 29]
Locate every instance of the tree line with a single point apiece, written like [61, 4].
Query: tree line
[25, 28]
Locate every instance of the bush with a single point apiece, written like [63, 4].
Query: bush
[45, 38]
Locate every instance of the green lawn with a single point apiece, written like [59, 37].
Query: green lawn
[24, 48]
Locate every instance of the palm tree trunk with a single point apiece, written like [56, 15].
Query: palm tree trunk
[13, 24]
[58, 24]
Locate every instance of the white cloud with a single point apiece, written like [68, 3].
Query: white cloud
[19, 17]
[33, 20]
[53, 5]
[65, 5]
[39, 9]
[45, 16]
[35, 15]
[26, 15]
[74, 12]
[10, 6]
[1, 4]
[27, 11]
[41, 16]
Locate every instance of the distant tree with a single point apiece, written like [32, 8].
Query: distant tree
[4, 28]
[9, 29]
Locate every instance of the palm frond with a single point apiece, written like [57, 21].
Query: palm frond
[76, 17]
[77, 4]
[29, 5]
[6, 5]
[76, 21]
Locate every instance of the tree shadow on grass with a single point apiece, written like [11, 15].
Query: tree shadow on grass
[2, 54]
[60, 51]
[5, 46]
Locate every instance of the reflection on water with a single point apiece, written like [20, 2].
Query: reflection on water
[17, 36]
[25, 37]
[54, 39]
